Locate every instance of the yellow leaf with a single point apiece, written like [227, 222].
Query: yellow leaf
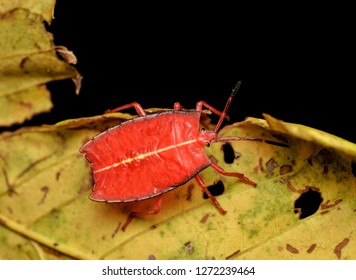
[312, 135]
[16, 247]
[45, 183]
[41, 7]
[28, 60]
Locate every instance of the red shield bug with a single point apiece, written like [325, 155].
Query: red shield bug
[152, 154]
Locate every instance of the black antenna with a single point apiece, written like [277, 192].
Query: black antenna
[236, 88]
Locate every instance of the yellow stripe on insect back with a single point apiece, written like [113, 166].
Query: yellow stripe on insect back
[142, 156]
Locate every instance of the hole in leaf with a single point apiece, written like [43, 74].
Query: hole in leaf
[353, 168]
[308, 203]
[216, 189]
[229, 153]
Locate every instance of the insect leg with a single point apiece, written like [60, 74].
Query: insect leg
[241, 176]
[199, 108]
[155, 210]
[137, 106]
[223, 115]
[205, 189]
[177, 106]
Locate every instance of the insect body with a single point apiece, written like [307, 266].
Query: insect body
[152, 154]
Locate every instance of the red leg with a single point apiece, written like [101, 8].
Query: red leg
[155, 210]
[137, 106]
[205, 189]
[222, 114]
[199, 108]
[200, 105]
[241, 176]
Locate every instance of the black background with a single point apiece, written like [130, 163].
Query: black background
[296, 66]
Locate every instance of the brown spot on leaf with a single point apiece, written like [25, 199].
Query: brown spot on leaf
[26, 105]
[313, 188]
[233, 255]
[23, 61]
[293, 189]
[205, 218]
[340, 246]
[189, 248]
[271, 164]
[260, 164]
[189, 192]
[326, 205]
[325, 170]
[284, 169]
[311, 248]
[54, 212]
[58, 174]
[153, 226]
[151, 257]
[45, 191]
[292, 249]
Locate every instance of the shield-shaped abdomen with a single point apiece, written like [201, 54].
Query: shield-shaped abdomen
[146, 156]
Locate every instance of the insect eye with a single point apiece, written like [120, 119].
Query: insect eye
[203, 129]
[207, 144]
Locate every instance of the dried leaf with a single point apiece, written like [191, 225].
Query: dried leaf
[45, 8]
[67, 54]
[312, 135]
[28, 60]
